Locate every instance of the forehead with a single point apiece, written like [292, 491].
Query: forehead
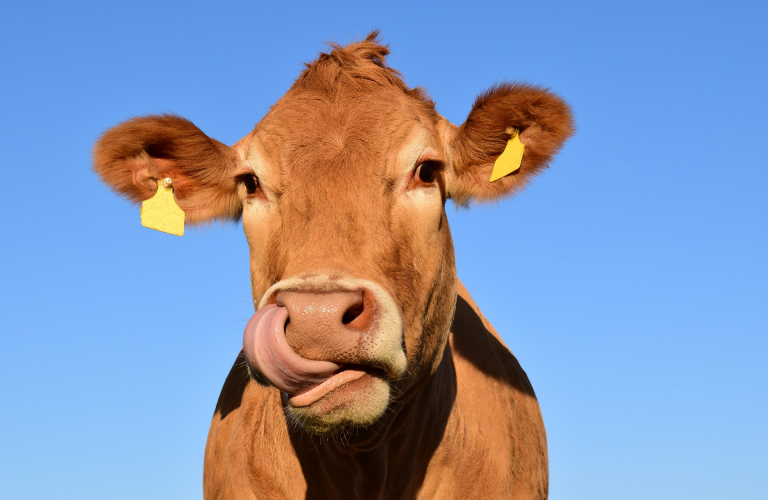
[316, 130]
[357, 112]
[347, 113]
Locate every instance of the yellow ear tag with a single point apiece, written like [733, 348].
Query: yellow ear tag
[161, 211]
[510, 159]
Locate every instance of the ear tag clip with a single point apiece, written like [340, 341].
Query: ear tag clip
[509, 160]
[161, 212]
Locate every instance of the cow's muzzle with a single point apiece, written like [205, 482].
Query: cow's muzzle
[312, 336]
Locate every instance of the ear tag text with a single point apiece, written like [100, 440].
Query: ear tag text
[509, 160]
[161, 211]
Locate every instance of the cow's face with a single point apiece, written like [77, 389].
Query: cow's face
[341, 188]
[349, 240]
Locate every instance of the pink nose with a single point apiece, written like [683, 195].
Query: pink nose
[327, 325]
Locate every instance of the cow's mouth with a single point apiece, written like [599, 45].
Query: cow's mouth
[346, 375]
[305, 381]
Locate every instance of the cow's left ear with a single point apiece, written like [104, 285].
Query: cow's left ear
[543, 121]
[134, 155]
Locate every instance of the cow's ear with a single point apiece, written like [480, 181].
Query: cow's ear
[134, 155]
[543, 122]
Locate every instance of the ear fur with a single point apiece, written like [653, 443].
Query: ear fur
[543, 120]
[132, 156]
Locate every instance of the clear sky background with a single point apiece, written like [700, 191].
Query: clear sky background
[630, 279]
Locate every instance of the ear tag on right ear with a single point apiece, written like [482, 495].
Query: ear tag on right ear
[161, 211]
[510, 159]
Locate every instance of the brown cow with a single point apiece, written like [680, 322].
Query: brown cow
[367, 370]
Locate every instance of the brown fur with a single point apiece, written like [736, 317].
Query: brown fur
[544, 122]
[336, 158]
[350, 66]
[134, 155]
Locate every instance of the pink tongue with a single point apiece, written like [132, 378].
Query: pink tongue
[268, 353]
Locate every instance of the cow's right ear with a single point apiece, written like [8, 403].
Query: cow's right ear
[134, 155]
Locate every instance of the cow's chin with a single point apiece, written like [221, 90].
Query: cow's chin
[357, 404]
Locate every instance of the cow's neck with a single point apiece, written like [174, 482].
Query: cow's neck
[396, 456]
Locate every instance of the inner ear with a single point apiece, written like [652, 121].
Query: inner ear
[145, 172]
[543, 122]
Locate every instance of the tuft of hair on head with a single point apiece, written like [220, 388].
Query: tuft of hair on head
[357, 64]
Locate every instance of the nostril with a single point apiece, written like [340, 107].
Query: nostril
[353, 312]
[359, 313]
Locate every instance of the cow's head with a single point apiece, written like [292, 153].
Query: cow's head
[341, 188]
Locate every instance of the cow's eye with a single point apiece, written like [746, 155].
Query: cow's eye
[251, 183]
[426, 172]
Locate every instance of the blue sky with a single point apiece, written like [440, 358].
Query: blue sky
[629, 279]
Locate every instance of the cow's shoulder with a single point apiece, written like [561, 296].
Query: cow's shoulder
[495, 438]
[249, 451]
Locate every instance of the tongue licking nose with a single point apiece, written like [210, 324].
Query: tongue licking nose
[268, 352]
[321, 323]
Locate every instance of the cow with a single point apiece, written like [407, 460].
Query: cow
[367, 371]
